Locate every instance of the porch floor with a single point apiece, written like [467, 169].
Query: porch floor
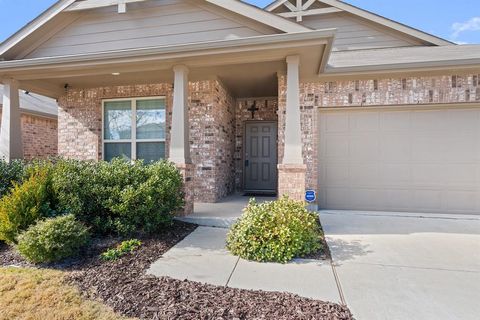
[221, 214]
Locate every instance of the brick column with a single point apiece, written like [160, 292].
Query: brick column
[291, 180]
[187, 171]
[179, 141]
[292, 170]
[11, 146]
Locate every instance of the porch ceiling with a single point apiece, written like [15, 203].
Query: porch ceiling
[247, 66]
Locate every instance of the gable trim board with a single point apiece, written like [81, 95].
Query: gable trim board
[237, 7]
[421, 35]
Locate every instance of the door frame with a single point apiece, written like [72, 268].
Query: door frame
[244, 142]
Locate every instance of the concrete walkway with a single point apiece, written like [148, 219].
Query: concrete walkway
[202, 257]
[221, 214]
[406, 266]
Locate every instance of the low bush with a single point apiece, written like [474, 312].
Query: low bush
[275, 231]
[121, 250]
[118, 197]
[10, 173]
[24, 205]
[53, 239]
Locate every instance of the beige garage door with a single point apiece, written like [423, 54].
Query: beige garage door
[400, 160]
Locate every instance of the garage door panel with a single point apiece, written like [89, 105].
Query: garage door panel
[429, 175]
[429, 121]
[427, 200]
[462, 201]
[429, 148]
[400, 160]
[361, 122]
[364, 147]
[337, 175]
[394, 121]
[336, 122]
[395, 175]
[336, 146]
[398, 199]
[461, 148]
[364, 174]
[395, 148]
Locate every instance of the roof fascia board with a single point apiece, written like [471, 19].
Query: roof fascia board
[35, 24]
[387, 22]
[181, 51]
[451, 64]
[260, 15]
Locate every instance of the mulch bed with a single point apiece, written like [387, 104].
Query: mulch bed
[125, 286]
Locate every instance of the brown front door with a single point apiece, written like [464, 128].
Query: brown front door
[260, 156]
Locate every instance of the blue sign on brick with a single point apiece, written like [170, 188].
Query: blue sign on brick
[310, 196]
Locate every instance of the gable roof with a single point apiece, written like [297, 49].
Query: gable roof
[36, 104]
[234, 6]
[342, 6]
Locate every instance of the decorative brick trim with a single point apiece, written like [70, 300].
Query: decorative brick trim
[187, 170]
[291, 180]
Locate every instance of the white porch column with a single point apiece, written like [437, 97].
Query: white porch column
[11, 146]
[292, 170]
[293, 131]
[179, 144]
[180, 137]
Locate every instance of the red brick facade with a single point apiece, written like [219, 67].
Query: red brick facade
[39, 136]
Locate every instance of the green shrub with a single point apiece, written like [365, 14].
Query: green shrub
[121, 250]
[275, 231]
[10, 172]
[24, 205]
[53, 239]
[118, 197]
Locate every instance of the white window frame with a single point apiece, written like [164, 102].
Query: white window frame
[133, 138]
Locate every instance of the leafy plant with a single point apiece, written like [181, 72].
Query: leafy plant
[53, 239]
[121, 250]
[275, 231]
[10, 173]
[24, 205]
[119, 196]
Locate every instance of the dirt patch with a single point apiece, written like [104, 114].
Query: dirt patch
[124, 286]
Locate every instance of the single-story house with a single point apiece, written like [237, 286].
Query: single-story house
[38, 117]
[302, 95]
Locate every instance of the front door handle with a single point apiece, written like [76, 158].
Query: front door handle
[247, 163]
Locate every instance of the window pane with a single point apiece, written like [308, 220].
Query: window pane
[118, 120]
[118, 150]
[150, 151]
[151, 119]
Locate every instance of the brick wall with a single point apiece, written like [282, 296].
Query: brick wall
[267, 110]
[212, 139]
[39, 136]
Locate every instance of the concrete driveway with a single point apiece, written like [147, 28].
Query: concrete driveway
[406, 266]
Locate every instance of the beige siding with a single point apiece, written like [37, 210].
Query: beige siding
[153, 23]
[354, 33]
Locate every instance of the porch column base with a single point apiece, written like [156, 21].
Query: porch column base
[291, 180]
[187, 170]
